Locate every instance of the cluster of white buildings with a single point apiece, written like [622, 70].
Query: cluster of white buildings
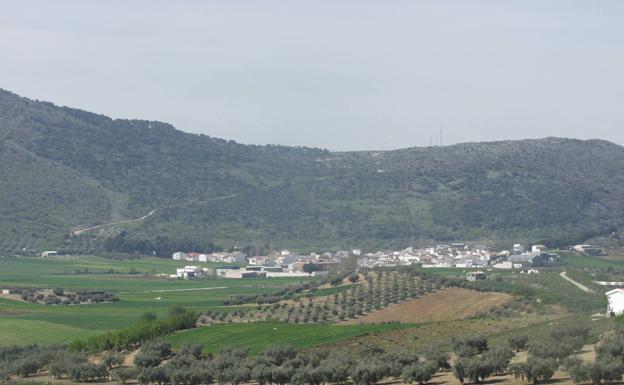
[264, 272]
[453, 255]
[282, 264]
[220, 257]
[286, 263]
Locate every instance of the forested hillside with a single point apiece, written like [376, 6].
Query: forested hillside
[64, 169]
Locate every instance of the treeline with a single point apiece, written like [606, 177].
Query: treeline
[133, 336]
[288, 292]
[283, 364]
[475, 362]
[60, 363]
[161, 246]
[59, 296]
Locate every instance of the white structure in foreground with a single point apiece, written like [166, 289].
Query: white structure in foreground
[616, 302]
[189, 272]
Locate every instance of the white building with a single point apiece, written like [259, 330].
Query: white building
[262, 260]
[189, 272]
[538, 248]
[518, 248]
[580, 248]
[615, 298]
[235, 257]
[507, 265]
[178, 256]
[286, 260]
[50, 253]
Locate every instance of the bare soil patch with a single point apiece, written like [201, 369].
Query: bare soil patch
[443, 305]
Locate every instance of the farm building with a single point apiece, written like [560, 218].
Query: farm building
[615, 299]
[503, 265]
[189, 272]
[260, 271]
[534, 259]
[49, 253]
[589, 250]
[475, 276]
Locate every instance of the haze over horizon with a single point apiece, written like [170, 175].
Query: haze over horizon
[337, 75]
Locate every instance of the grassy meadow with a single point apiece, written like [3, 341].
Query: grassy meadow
[139, 292]
[257, 336]
[23, 322]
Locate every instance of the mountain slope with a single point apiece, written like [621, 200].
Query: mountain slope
[66, 168]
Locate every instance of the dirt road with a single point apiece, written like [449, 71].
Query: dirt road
[80, 231]
[575, 283]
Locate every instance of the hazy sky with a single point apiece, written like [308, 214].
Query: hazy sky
[335, 74]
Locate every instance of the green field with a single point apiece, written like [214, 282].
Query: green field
[256, 336]
[24, 322]
[582, 261]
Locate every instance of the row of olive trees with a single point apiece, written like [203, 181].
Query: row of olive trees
[283, 364]
[378, 290]
[476, 360]
[60, 363]
[156, 362]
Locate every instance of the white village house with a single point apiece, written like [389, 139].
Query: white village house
[179, 256]
[615, 298]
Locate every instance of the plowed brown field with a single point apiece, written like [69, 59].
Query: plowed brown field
[443, 305]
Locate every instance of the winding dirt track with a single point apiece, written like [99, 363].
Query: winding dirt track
[80, 231]
[144, 217]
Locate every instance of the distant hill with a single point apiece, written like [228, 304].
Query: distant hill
[64, 169]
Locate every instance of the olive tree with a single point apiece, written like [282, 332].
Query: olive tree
[113, 359]
[518, 343]
[125, 374]
[420, 372]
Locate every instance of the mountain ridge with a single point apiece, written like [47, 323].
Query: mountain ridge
[549, 189]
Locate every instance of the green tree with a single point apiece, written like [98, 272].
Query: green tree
[124, 374]
[518, 343]
[420, 372]
[112, 359]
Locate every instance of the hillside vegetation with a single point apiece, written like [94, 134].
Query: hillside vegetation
[63, 169]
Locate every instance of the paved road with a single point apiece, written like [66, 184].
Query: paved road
[575, 283]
